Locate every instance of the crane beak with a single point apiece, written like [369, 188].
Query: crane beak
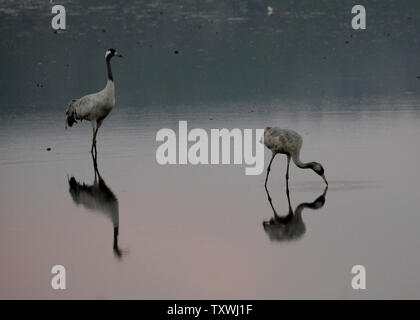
[118, 55]
[323, 177]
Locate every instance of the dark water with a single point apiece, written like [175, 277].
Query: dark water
[197, 231]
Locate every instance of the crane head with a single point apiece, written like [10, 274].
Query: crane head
[112, 53]
[319, 170]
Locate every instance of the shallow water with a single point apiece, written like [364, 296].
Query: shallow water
[197, 231]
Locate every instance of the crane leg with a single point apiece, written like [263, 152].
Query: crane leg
[95, 168]
[269, 169]
[93, 140]
[271, 202]
[288, 198]
[287, 172]
[95, 132]
[96, 151]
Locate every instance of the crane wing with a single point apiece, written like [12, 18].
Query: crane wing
[79, 109]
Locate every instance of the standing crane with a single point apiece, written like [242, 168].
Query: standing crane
[288, 142]
[95, 107]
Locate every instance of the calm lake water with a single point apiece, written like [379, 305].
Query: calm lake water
[197, 232]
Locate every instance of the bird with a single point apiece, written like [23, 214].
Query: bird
[290, 227]
[98, 197]
[94, 107]
[288, 142]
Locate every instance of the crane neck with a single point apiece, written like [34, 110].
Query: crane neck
[108, 66]
[300, 164]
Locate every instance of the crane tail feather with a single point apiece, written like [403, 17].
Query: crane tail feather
[71, 120]
[71, 114]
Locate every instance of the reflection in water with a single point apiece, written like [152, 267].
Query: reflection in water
[290, 227]
[98, 197]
